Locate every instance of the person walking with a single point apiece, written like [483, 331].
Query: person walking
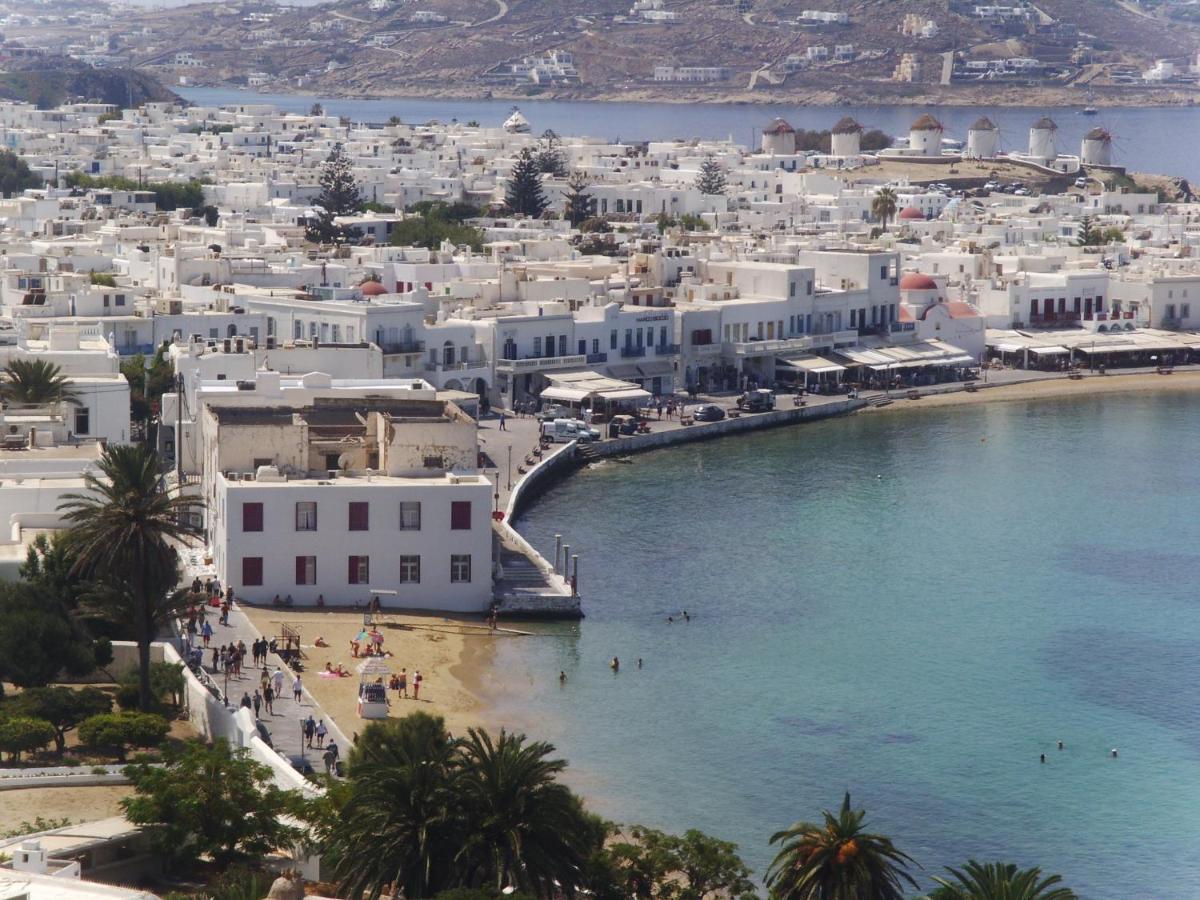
[269, 697]
[502, 423]
[206, 633]
[278, 679]
[321, 732]
[247, 703]
[417, 679]
[297, 689]
[257, 703]
[310, 729]
[402, 683]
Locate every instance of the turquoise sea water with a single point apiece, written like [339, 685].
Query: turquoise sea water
[1020, 573]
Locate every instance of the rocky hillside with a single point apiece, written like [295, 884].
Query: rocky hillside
[817, 50]
[49, 81]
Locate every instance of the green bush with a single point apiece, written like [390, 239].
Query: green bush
[166, 686]
[104, 279]
[20, 734]
[120, 731]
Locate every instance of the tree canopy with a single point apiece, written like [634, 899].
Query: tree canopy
[62, 707]
[711, 178]
[39, 639]
[435, 222]
[210, 800]
[524, 195]
[340, 196]
[15, 174]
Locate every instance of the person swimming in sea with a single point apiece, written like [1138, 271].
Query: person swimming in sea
[615, 664]
[562, 677]
[1043, 757]
[1060, 745]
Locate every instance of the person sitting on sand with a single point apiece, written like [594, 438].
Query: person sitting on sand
[320, 642]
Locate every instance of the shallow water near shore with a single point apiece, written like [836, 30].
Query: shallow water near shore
[909, 607]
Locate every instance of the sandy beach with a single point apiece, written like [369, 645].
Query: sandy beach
[453, 655]
[1051, 389]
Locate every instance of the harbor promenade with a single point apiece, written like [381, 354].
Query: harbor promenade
[283, 723]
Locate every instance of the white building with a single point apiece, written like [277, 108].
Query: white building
[348, 499]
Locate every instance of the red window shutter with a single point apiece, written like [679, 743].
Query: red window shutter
[460, 515]
[301, 569]
[359, 516]
[252, 571]
[252, 517]
[352, 577]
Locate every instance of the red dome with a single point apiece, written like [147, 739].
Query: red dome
[911, 214]
[372, 289]
[915, 281]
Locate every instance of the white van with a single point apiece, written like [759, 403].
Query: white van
[563, 431]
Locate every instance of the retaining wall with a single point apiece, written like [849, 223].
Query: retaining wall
[702, 431]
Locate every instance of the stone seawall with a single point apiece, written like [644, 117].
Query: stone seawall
[702, 431]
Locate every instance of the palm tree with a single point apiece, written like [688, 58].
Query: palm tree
[837, 861]
[999, 881]
[395, 825]
[524, 829]
[123, 533]
[883, 206]
[35, 383]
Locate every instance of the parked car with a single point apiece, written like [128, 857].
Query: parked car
[555, 411]
[1081, 182]
[624, 424]
[708, 412]
[563, 431]
[584, 428]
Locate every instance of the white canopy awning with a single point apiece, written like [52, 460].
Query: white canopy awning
[570, 395]
[1049, 351]
[814, 364]
[628, 394]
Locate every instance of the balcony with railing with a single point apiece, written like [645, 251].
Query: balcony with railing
[666, 349]
[632, 352]
[767, 347]
[540, 363]
[594, 358]
[462, 365]
[401, 346]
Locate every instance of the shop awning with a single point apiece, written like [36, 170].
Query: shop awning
[626, 371]
[655, 369]
[1110, 348]
[1008, 348]
[1049, 351]
[570, 395]
[813, 364]
[630, 394]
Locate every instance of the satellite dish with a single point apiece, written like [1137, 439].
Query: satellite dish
[344, 461]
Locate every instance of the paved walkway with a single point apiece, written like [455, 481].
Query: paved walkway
[284, 721]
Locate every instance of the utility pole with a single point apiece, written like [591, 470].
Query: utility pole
[179, 431]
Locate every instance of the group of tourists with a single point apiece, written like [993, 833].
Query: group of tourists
[399, 682]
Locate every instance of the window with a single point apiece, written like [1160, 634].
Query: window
[306, 515]
[433, 462]
[83, 420]
[595, 345]
[1185, 311]
[252, 571]
[306, 570]
[120, 299]
[359, 516]
[612, 340]
[360, 570]
[562, 345]
[460, 568]
[791, 289]
[410, 570]
[460, 515]
[410, 515]
[252, 517]
[537, 346]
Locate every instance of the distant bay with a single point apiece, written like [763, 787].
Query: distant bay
[1153, 139]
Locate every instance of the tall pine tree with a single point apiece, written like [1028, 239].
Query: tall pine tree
[339, 196]
[524, 195]
[579, 204]
[711, 179]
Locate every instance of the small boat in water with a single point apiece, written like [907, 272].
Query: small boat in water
[1088, 111]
